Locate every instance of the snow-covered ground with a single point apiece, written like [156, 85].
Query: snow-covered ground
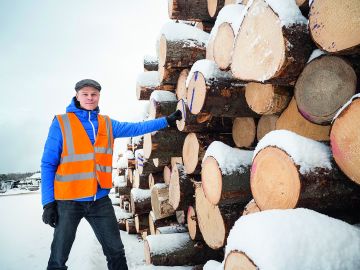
[25, 240]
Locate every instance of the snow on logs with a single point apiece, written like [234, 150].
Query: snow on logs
[225, 174]
[180, 46]
[195, 146]
[323, 87]
[211, 90]
[273, 248]
[177, 249]
[162, 103]
[195, 123]
[290, 171]
[161, 207]
[200, 10]
[273, 43]
[226, 26]
[151, 63]
[155, 223]
[335, 25]
[291, 119]
[140, 201]
[344, 138]
[148, 82]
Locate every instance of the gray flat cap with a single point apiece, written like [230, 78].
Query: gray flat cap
[87, 82]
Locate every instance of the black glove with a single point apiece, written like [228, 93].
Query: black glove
[50, 214]
[171, 119]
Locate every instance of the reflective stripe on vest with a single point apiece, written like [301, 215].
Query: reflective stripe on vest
[83, 165]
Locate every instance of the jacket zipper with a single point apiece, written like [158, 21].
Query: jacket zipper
[93, 128]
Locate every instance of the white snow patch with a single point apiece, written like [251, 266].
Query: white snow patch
[296, 239]
[315, 54]
[140, 194]
[150, 58]
[306, 153]
[167, 243]
[129, 154]
[180, 31]
[208, 68]
[122, 163]
[345, 106]
[162, 96]
[229, 159]
[118, 180]
[213, 265]
[288, 12]
[148, 79]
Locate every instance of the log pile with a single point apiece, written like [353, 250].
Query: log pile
[268, 123]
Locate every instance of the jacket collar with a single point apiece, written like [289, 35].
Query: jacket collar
[81, 113]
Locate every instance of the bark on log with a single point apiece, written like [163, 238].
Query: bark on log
[266, 124]
[129, 178]
[219, 96]
[278, 182]
[221, 186]
[131, 163]
[124, 190]
[244, 132]
[155, 223]
[289, 46]
[130, 226]
[193, 226]
[140, 180]
[190, 122]
[122, 224]
[161, 162]
[151, 63]
[292, 120]
[147, 83]
[189, 10]
[195, 146]
[160, 201]
[215, 221]
[205, 26]
[156, 178]
[323, 87]
[181, 250]
[181, 190]
[141, 222]
[267, 98]
[171, 229]
[159, 109]
[335, 26]
[147, 167]
[345, 141]
[163, 143]
[140, 201]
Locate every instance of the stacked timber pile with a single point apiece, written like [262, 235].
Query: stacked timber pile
[267, 90]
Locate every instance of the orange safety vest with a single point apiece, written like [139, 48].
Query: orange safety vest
[83, 165]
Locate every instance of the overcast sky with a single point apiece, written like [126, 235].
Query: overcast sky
[47, 46]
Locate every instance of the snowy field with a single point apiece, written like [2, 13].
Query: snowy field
[25, 239]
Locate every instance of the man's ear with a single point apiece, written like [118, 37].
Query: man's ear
[76, 96]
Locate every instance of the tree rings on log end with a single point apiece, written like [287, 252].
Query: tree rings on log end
[211, 180]
[196, 92]
[275, 182]
[266, 124]
[192, 223]
[181, 84]
[190, 153]
[210, 221]
[181, 105]
[323, 87]
[236, 260]
[258, 35]
[147, 146]
[162, 56]
[244, 131]
[345, 141]
[223, 45]
[174, 188]
[334, 25]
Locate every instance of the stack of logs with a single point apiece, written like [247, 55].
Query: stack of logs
[254, 74]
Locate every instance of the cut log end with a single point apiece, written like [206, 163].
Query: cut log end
[190, 153]
[244, 131]
[147, 248]
[196, 93]
[223, 45]
[181, 84]
[236, 260]
[162, 56]
[251, 48]
[192, 222]
[345, 142]
[182, 107]
[251, 208]
[266, 124]
[275, 182]
[326, 30]
[212, 6]
[174, 188]
[147, 145]
[211, 180]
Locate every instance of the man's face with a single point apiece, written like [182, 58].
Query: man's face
[88, 97]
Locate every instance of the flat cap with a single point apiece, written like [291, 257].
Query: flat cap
[87, 82]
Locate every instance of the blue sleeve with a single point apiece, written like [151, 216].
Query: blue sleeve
[125, 129]
[50, 161]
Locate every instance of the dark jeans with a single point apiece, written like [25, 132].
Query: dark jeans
[101, 216]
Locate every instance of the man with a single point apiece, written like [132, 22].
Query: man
[76, 174]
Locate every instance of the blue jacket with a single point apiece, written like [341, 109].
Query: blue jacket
[53, 146]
